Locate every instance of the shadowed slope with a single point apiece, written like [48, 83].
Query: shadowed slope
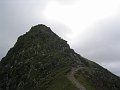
[40, 60]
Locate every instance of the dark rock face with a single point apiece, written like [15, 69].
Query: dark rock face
[37, 58]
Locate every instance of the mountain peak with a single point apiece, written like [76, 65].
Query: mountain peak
[41, 60]
[40, 28]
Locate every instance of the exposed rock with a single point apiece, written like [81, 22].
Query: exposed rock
[40, 60]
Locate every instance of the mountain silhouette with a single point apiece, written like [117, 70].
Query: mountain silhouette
[41, 60]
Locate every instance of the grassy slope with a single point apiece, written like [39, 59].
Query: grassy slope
[94, 77]
[84, 82]
[61, 82]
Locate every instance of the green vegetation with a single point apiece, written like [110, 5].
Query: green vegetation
[40, 60]
[61, 82]
[94, 77]
[35, 60]
[80, 77]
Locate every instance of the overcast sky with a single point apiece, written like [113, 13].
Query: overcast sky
[91, 27]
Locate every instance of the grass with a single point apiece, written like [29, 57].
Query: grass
[84, 81]
[61, 82]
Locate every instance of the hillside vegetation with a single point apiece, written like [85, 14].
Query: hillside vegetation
[40, 60]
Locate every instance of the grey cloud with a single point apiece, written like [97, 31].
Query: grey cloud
[103, 38]
[112, 66]
[67, 2]
[102, 43]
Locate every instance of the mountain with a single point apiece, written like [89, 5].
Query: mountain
[41, 60]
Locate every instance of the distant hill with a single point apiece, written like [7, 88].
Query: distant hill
[41, 60]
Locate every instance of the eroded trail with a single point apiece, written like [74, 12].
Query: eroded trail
[71, 77]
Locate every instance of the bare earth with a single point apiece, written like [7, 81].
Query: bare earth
[75, 82]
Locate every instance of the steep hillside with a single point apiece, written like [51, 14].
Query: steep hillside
[41, 60]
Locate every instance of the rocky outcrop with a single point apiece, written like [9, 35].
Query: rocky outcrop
[40, 60]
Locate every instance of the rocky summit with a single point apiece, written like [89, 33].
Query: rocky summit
[41, 60]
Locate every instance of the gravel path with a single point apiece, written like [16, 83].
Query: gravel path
[71, 77]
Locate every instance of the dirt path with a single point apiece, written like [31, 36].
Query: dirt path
[71, 77]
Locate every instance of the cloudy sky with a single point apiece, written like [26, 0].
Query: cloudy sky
[91, 27]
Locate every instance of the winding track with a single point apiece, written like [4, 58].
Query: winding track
[75, 82]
